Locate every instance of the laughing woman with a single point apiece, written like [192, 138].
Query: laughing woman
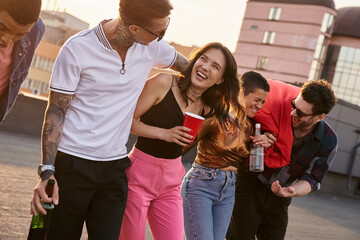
[208, 188]
[208, 87]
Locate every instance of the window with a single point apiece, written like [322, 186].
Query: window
[50, 66]
[319, 56]
[274, 13]
[262, 63]
[42, 63]
[327, 23]
[314, 70]
[346, 76]
[35, 61]
[46, 63]
[36, 87]
[45, 88]
[268, 37]
[254, 27]
[357, 56]
[320, 47]
[26, 83]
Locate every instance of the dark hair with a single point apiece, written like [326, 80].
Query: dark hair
[251, 81]
[219, 97]
[22, 11]
[140, 12]
[320, 95]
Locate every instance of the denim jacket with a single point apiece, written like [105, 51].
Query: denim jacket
[23, 53]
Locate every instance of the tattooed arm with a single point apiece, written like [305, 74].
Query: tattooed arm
[180, 63]
[51, 134]
[53, 126]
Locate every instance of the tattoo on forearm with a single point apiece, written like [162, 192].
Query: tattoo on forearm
[62, 100]
[53, 125]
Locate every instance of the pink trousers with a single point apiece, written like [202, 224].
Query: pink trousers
[154, 194]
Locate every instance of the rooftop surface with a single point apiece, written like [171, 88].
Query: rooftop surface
[318, 216]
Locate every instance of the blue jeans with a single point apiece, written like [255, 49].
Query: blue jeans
[208, 200]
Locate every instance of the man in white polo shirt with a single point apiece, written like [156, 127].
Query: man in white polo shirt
[97, 79]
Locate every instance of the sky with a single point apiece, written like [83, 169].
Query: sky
[193, 22]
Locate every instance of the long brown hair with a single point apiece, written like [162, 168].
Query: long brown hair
[219, 97]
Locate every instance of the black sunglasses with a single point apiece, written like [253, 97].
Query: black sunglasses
[299, 113]
[160, 35]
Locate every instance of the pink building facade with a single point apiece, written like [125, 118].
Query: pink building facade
[285, 40]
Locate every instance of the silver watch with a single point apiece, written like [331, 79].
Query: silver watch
[42, 168]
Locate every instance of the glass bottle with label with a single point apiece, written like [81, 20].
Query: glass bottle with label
[256, 162]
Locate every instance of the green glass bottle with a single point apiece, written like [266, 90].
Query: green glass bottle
[40, 223]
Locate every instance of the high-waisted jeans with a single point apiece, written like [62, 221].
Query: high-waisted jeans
[208, 195]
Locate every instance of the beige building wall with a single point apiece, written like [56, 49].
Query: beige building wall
[37, 82]
[59, 27]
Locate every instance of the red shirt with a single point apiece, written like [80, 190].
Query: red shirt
[275, 118]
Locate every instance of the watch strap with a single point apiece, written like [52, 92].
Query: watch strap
[46, 175]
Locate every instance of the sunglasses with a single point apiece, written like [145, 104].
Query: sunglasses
[160, 35]
[299, 113]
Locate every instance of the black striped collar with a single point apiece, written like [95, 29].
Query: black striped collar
[99, 32]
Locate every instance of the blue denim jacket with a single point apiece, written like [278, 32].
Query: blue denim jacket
[23, 53]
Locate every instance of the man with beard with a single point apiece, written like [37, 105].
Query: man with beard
[97, 79]
[262, 199]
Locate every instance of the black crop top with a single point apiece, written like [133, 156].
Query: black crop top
[166, 114]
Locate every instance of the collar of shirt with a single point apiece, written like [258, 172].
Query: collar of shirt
[316, 133]
[99, 32]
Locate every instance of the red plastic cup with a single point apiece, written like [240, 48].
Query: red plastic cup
[193, 121]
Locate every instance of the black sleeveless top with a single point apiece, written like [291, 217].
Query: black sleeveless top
[166, 114]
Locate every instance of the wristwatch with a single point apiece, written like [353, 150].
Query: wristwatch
[42, 168]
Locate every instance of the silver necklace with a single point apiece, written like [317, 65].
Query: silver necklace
[196, 95]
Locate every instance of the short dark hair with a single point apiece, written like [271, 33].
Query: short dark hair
[251, 81]
[140, 12]
[320, 95]
[22, 11]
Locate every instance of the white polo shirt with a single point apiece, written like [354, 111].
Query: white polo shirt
[98, 121]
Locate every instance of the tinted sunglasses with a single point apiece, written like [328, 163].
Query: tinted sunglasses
[299, 113]
[160, 35]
